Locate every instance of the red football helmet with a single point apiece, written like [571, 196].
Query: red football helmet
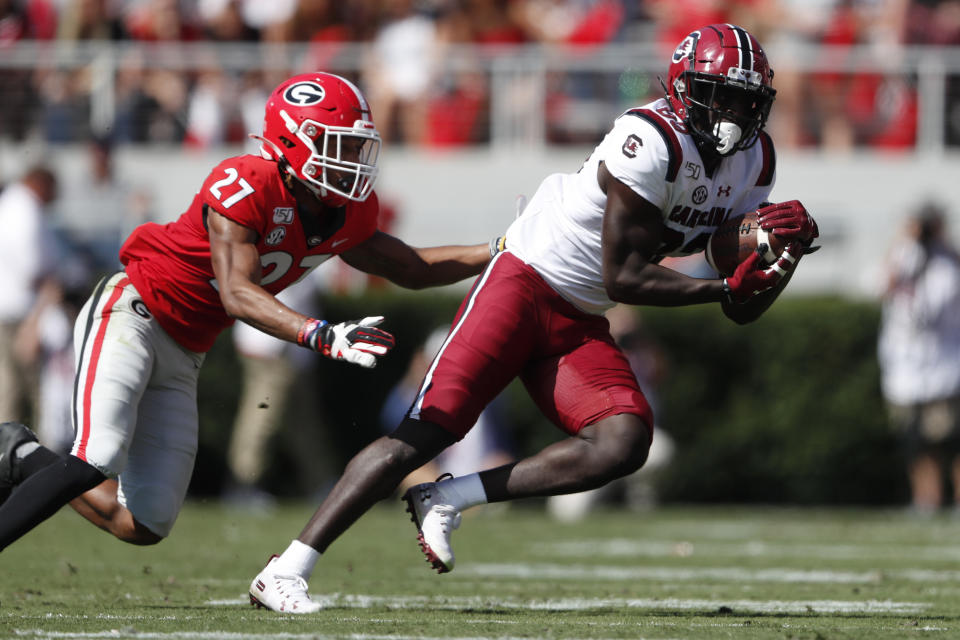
[719, 84]
[318, 126]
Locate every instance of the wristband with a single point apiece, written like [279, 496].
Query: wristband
[309, 330]
[727, 291]
[497, 245]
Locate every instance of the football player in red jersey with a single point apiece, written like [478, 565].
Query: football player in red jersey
[257, 225]
[662, 180]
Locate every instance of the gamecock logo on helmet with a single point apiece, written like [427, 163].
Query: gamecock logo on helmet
[303, 94]
[689, 44]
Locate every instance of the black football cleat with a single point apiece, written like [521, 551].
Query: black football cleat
[12, 435]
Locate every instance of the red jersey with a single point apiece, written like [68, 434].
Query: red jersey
[170, 264]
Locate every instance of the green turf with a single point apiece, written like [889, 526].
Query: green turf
[671, 573]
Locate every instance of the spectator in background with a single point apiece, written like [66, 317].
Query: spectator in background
[230, 20]
[937, 22]
[576, 101]
[919, 351]
[674, 19]
[28, 256]
[487, 445]
[162, 100]
[279, 391]
[159, 21]
[842, 107]
[46, 337]
[100, 206]
[89, 20]
[400, 71]
[251, 100]
[209, 109]
[566, 22]
[459, 107]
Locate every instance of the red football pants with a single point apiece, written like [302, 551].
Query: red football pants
[511, 324]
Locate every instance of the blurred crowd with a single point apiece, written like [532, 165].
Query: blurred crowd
[420, 97]
[403, 54]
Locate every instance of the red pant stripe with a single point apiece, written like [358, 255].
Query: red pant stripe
[92, 367]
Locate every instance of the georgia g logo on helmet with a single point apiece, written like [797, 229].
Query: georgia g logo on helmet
[303, 94]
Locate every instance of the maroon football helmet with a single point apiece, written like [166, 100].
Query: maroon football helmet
[719, 84]
[318, 126]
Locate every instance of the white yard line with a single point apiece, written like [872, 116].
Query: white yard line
[735, 574]
[622, 547]
[225, 635]
[742, 607]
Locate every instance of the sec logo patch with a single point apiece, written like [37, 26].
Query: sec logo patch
[276, 236]
[699, 195]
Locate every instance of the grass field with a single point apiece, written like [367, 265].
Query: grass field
[672, 573]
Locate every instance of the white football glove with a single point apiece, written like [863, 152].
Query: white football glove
[356, 341]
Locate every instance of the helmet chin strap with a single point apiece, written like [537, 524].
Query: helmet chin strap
[728, 134]
[316, 189]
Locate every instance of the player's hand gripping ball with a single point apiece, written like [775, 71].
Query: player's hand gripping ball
[775, 225]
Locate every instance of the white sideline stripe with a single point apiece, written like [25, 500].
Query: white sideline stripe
[580, 572]
[622, 547]
[584, 604]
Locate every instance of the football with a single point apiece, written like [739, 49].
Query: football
[736, 238]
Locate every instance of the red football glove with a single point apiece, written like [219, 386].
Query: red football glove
[788, 220]
[753, 276]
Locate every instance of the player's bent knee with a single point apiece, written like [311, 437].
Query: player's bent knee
[142, 536]
[623, 444]
[153, 511]
[132, 532]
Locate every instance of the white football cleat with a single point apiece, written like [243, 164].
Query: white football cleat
[281, 592]
[435, 519]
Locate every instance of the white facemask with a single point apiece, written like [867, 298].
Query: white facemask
[729, 135]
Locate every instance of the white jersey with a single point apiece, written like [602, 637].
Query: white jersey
[649, 150]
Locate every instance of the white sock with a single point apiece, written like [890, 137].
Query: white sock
[25, 449]
[299, 559]
[464, 492]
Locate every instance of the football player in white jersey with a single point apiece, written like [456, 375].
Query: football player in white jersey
[659, 183]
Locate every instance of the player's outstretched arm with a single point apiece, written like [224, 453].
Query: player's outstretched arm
[416, 268]
[236, 264]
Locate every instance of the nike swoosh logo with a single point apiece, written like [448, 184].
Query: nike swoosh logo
[338, 242]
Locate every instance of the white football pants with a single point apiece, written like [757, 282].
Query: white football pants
[135, 403]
